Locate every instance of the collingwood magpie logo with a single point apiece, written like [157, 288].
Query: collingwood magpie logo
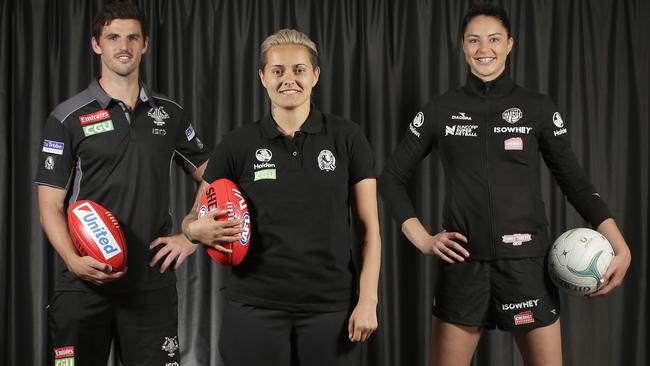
[512, 115]
[158, 115]
[170, 346]
[326, 161]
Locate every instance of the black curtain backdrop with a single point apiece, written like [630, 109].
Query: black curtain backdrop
[381, 60]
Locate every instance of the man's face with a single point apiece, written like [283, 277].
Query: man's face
[120, 47]
[486, 46]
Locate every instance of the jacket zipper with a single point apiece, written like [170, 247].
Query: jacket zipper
[487, 175]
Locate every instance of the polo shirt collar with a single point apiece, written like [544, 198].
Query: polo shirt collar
[104, 99]
[313, 124]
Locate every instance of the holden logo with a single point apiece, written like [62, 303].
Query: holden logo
[512, 115]
[263, 155]
[557, 120]
[418, 120]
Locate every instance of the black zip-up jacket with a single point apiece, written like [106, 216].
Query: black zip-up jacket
[489, 136]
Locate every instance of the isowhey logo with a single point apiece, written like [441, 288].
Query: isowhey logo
[98, 116]
[461, 130]
[462, 116]
[516, 239]
[528, 304]
[522, 130]
[95, 227]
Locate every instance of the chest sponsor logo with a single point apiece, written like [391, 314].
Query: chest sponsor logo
[97, 128]
[522, 130]
[158, 131]
[265, 174]
[101, 235]
[189, 133]
[418, 121]
[53, 147]
[170, 345]
[528, 304]
[512, 115]
[461, 130]
[515, 143]
[525, 317]
[158, 115]
[516, 239]
[326, 161]
[264, 155]
[462, 116]
[98, 116]
[49, 162]
[64, 356]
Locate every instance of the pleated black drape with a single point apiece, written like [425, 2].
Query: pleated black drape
[381, 60]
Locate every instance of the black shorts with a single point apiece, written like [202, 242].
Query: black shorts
[143, 325]
[258, 336]
[513, 294]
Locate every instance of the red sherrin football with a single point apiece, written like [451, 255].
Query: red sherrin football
[96, 233]
[223, 194]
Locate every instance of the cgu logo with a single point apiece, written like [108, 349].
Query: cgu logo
[96, 228]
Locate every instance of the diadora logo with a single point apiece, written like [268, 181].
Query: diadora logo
[512, 115]
[97, 128]
[98, 116]
[158, 115]
[461, 130]
[96, 228]
[263, 155]
[461, 115]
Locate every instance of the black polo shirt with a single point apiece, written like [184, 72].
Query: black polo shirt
[299, 191]
[97, 149]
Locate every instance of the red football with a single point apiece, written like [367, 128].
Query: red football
[223, 194]
[96, 233]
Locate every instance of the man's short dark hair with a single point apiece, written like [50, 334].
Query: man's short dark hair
[487, 9]
[118, 10]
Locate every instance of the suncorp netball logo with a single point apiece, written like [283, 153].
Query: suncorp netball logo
[95, 228]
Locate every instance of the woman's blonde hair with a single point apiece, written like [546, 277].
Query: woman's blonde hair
[285, 37]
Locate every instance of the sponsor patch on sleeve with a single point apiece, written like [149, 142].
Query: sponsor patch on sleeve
[53, 147]
[189, 133]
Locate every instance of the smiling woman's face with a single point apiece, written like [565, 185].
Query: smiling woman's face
[289, 76]
[486, 45]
